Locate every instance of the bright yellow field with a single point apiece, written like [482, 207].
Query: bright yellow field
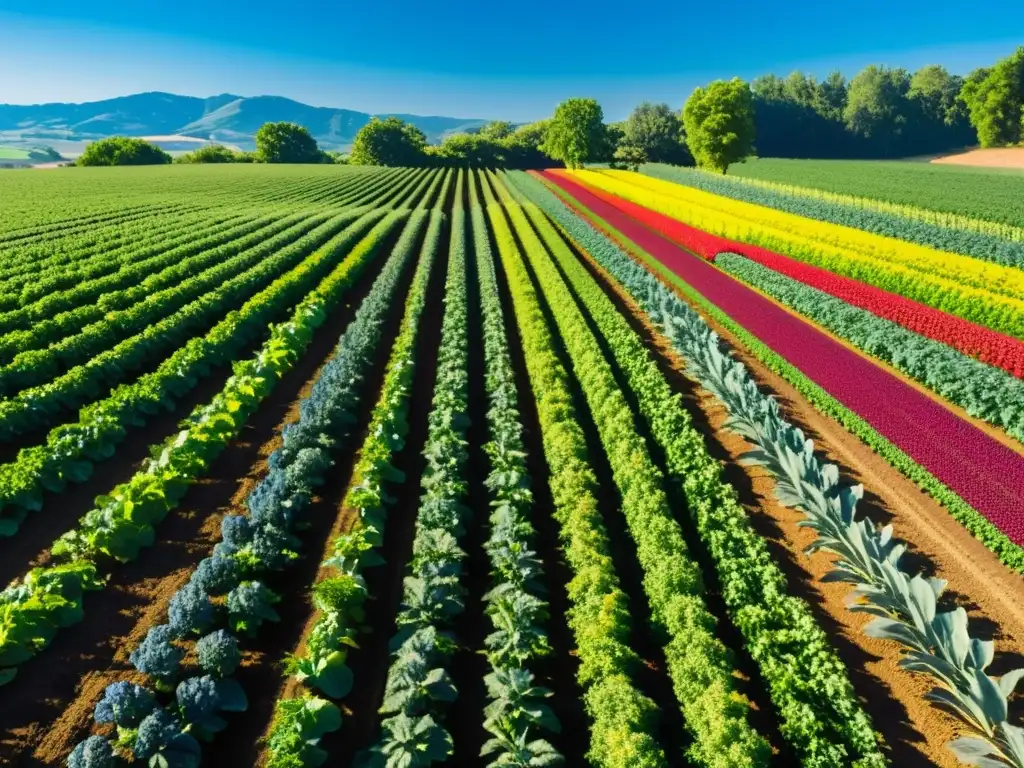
[979, 291]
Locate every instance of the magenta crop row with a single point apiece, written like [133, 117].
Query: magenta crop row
[985, 473]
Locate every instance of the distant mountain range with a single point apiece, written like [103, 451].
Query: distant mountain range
[226, 118]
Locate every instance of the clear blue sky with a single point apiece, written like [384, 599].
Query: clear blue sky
[507, 60]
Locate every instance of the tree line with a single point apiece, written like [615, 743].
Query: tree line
[880, 113]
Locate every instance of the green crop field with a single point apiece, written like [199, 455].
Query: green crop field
[384, 467]
[985, 193]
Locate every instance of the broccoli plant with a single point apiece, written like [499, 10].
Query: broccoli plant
[163, 741]
[249, 605]
[216, 575]
[125, 705]
[94, 752]
[156, 655]
[201, 698]
[218, 653]
[190, 611]
[236, 533]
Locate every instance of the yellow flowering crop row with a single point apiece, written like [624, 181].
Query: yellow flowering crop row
[984, 275]
[984, 293]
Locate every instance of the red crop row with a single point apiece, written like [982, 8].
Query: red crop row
[984, 472]
[969, 338]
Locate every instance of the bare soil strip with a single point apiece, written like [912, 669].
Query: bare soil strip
[915, 731]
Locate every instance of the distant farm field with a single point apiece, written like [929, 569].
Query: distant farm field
[985, 193]
[402, 467]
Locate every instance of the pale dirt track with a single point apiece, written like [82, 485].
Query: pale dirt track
[1009, 157]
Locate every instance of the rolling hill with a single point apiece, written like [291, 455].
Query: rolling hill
[226, 118]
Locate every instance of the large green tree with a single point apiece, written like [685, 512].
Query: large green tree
[576, 133]
[286, 143]
[212, 153]
[471, 150]
[995, 99]
[719, 124]
[652, 132]
[877, 107]
[121, 150]
[497, 130]
[390, 141]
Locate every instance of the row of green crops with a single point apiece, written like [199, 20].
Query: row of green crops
[67, 263]
[170, 728]
[1010, 553]
[623, 719]
[516, 716]
[419, 686]
[700, 666]
[340, 593]
[71, 450]
[50, 598]
[981, 199]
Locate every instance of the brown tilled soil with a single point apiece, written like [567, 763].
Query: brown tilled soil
[1009, 157]
[915, 731]
[48, 707]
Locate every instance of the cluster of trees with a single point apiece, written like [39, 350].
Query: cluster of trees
[890, 112]
[275, 143]
[392, 141]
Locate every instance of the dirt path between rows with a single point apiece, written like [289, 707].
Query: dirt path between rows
[915, 731]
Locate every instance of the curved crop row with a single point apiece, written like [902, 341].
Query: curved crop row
[70, 450]
[78, 305]
[623, 719]
[1003, 313]
[252, 546]
[51, 315]
[972, 340]
[340, 593]
[868, 557]
[50, 598]
[820, 713]
[42, 404]
[983, 391]
[65, 348]
[66, 263]
[834, 210]
[839, 244]
[923, 202]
